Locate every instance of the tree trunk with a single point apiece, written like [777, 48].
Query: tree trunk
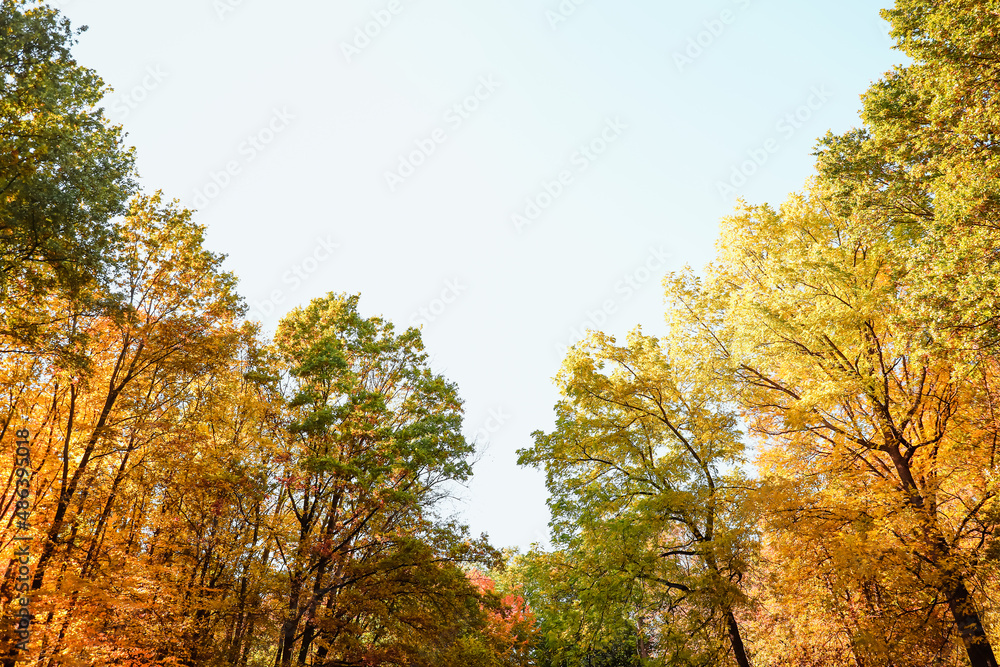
[290, 624]
[68, 490]
[307, 638]
[963, 608]
[970, 626]
[245, 655]
[8, 634]
[315, 600]
[739, 651]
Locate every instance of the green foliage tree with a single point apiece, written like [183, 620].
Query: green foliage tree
[646, 498]
[581, 623]
[64, 176]
[928, 161]
[373, 435]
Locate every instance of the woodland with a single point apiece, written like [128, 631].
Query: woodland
[801, 471]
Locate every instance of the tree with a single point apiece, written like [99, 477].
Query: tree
[927, 161]
[510, 625]
[372, 435]
[581, 622]
[169, 323]
[64, 175]
[646, 497]
[885, 436]
[201, 497]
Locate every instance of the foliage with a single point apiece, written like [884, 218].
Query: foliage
[878, 457]
[646, 501]
[64, 175]
[204, 495]
[927, 162]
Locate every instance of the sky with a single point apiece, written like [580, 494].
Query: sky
[503, 175]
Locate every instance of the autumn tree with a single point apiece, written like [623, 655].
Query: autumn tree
[168, 323]
[927, 162]
[881, 439]
[570, 603]
[201, 496]
[509, 629]
[646, 499]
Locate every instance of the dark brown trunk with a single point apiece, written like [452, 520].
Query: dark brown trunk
[239, 622]
[69, 490]
[960, 602]
[322, 651]
[739, 651]
[307, 639]
[290, 624]
[970, 627]
[8, 634]
[98, 537]
[245, 656]
[309, 633]
[65, 625]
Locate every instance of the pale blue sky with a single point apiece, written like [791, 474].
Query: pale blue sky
[258, 115]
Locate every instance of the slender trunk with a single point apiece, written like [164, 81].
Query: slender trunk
[739, 651]
[69, 490]
[307, 638]
[62, 630]
[239, 622]
[970, 626]
[98, 537]
[281, 650]
[245, 655]
[732, 627]
[8, 629]
[960, 602]
[321, 649]
[290, 624]
[641, 643]
[309, 633]
[240, 619]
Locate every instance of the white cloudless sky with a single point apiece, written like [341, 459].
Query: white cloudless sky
[618, 120]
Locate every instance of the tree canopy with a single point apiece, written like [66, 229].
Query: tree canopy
[799, 469]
